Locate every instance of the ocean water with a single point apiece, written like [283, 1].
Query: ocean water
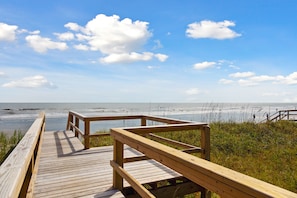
[20, 116]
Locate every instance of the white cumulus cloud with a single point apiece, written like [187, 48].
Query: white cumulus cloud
[111, 35]
[81, 47]
[263, 78]
[193, 91]
[82, 37]
[73, 26]
[247, 82]
[30, 82]
[66, 36]
[204, 65]
[42, 44]
[291, 79]
[35, 32]
[7, 32]
[242, 74]
[251, 79]
[127, 57]
[225, 81]
[118, 40]
[161, 57]
[211, 29]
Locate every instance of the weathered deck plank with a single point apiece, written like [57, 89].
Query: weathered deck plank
[67, 170]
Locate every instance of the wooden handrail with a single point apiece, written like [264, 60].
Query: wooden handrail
[74, 118]
[216, 178]
[119, 159]
[165, 120]
[20, 166]
[165, 128]
[170, 141]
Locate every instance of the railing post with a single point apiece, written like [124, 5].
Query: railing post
[77, 125]
[70, 119]
[87, 133]
[205, 143]
[118, 154]
[205, 153]
[143, 121]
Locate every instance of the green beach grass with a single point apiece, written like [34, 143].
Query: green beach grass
[7, 143]
[267, 151]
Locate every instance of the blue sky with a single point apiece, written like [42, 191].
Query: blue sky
[148, 51]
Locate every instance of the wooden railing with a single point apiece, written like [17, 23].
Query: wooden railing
[150, 131]
[73, 124]
[164, 125]
[215, 178]
[18, 171]
[290, 115]
[74, 120]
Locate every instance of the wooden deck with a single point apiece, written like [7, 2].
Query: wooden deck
[67, 170]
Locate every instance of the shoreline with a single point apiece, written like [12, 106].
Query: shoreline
[20, 116]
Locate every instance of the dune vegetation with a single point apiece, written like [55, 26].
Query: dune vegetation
[7, 143]
[267, 151]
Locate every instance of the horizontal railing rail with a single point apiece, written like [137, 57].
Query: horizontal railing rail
[223, 181]
[75, 118]
[73, 124]
[17, 172]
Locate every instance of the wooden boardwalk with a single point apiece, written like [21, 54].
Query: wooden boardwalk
[67, 170]
[56, 164]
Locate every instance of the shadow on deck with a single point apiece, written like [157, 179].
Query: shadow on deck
[66, 169]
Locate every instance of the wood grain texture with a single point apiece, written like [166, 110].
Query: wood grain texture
[66, 169]
[13, 171]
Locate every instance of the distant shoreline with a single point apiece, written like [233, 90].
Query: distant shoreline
[20, 116]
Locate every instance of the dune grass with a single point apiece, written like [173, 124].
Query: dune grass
[101, 141]
[266, 151]
[7, 143]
